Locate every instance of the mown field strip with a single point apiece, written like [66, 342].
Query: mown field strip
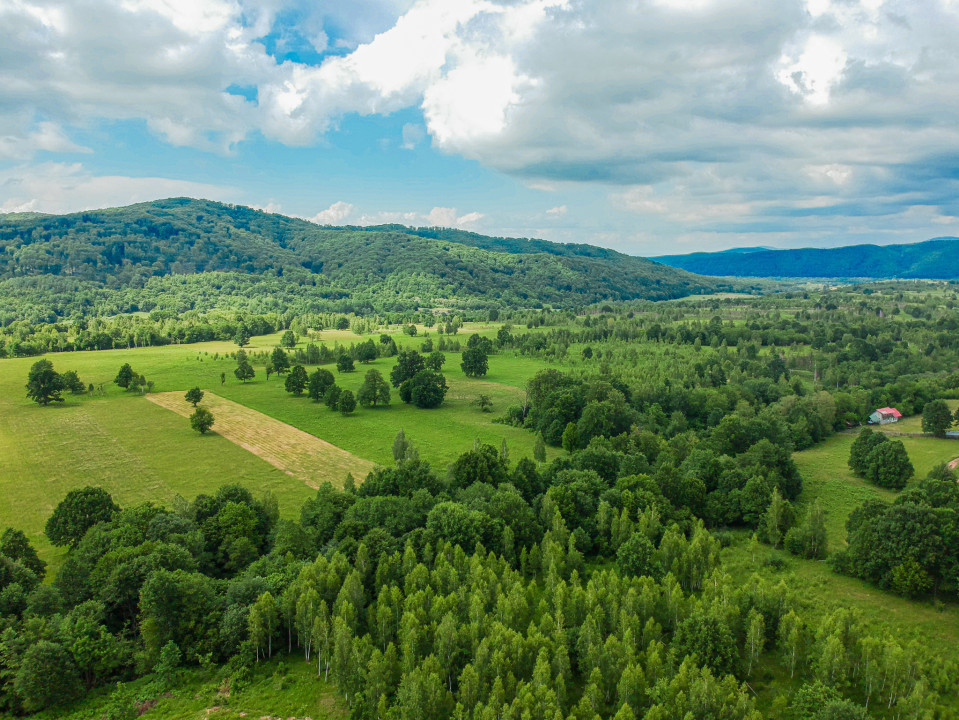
[297, 453]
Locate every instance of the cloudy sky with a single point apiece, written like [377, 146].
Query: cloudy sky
[649, 126]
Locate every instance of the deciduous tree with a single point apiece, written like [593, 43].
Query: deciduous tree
[201, 420]
[44, 384]
[79, 511]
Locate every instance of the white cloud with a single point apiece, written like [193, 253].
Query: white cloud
[437, 217]
[697, 115]
[61, 188]
[335, 214]
[47, 136]
[448, 217]
[817, 70]
[558, 211]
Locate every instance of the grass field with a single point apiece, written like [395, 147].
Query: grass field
[826, 476]
[139, 451]
[132, 448]
[293, 451]
[284, 688]
[819, 590]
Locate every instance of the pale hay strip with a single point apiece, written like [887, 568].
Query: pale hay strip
[297, 453]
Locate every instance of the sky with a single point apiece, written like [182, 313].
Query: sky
[648, 126]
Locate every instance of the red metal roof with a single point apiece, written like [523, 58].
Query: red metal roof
[889, 411]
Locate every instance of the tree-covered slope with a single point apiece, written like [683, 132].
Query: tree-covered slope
[123, 259]
[933, 259]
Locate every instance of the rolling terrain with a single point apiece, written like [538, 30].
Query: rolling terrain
[182, 254]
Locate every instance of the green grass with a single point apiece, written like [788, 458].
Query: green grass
[819, 590]
[139, 452]
[826, 476]
[913, 423]
[284, 687]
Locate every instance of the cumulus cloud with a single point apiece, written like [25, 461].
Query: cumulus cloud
[558, 211]
[69, 187]
[437, 217]
[335, 214]
[44, 136]
[697, 116]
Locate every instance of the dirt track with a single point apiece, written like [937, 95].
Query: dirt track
[297, 453]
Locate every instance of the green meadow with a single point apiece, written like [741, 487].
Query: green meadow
[284, 687]
[827, 477]
[140, 452]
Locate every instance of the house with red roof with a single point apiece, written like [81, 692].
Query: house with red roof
[885, 415]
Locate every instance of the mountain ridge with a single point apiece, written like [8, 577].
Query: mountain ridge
[934, 259]
[123, 259]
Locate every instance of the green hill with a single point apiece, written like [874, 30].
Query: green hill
[933, 259]
[185, 254]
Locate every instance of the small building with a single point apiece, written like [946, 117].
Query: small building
[885, 415]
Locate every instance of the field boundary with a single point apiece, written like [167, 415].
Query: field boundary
[295, 452]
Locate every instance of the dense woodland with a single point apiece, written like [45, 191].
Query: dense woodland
[472, 596]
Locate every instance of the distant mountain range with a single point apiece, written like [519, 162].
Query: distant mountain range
[185, 254]
[936, 259]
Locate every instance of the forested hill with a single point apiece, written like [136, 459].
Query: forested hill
[933, 259]
[198, 254]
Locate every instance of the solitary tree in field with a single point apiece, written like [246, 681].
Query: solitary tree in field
[242, 337]
[72, 382]
[194, 396]
[125, 376]
[79, 511]
[400, 446]
[344, 364]
[244, 371]
[408, 363]
[320, 381]
[426, 389]
[888, 465]
[936, 418]
[44, 384]
[201, 420]
[366, 352]
[288, 340]
[435, 361]
[475, 362]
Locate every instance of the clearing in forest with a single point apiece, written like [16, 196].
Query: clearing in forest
[297, 453]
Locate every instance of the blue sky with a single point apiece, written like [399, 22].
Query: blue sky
[649, 126]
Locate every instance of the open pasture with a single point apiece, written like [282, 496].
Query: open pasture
[140, 451]
[134, 449]
[826, 476]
